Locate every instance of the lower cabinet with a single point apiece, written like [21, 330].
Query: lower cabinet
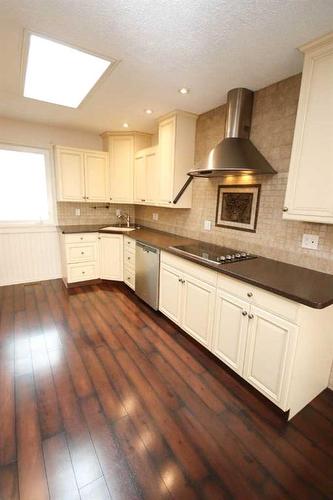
[271, 343]
[230, 330]
[171, 290]
[189, 302]
[198, 309]
[256, 344]
[111, 256]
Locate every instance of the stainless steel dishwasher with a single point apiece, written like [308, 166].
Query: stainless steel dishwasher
[147, 273]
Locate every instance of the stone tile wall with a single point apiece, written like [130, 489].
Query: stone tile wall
[90, 215]
[272, 131]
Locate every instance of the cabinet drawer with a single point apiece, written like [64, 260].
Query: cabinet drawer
[258, 297]
[129, 258]
[129, 277]
[82, 272]
[129, 243]
[186, 266]
[81, 238]
[80, 252]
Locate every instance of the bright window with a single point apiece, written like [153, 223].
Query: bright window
[60, 74]
[25, 187]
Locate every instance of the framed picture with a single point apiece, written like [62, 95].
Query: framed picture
[237, 206]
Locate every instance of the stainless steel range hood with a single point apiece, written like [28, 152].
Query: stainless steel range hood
[235, 154]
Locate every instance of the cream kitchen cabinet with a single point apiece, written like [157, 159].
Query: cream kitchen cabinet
[111, 256]
[310, 181]
[146, 176]
[129, 262]
[171, 290]
[270, 349]
[122, 147]
[176, 144]
[187, 296]
[82, 175]
[230, 330]
[80, 257]
[282, 348]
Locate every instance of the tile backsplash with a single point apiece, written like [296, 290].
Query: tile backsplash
[273, 122]
[89, 214]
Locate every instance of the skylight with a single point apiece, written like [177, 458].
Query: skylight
[60, 74]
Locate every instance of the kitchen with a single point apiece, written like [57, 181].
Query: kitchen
[166, 286]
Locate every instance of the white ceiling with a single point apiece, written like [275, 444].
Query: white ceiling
[207, 45]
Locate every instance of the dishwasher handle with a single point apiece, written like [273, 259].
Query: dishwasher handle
[147, 248]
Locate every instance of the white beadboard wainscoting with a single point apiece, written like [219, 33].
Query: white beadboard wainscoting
[29, 254]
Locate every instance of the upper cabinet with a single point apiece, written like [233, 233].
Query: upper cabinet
[146, 176]
[176, 143]
[122, 147]
[310, 182]
[82, 175]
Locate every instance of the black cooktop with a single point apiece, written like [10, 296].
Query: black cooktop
[213, 253]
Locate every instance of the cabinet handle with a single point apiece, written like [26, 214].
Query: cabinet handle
[83, 197]
[110, 198]
[87, 197]
[83, 272]
[285, 209]
[128, 258]
[128, 243]
[143, 200]
[249, 294]
[169, 201]
[251, 316]
[244, 313]
[81, 238]
[82, 253]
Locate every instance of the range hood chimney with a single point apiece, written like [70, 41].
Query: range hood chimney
[235, 154]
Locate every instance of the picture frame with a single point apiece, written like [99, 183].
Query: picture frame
[237, 206]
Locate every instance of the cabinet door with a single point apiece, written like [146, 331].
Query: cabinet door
[310, 182]
[230, 330]
[269, 355]
[198, 310]
[140, 179]
[167, 138]
[170, 293]
[70, 174]
[121, 169]
[152, 176]
[96, 176]
[111, 256]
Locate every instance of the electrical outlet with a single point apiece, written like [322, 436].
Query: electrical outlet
[77, 211]
[207, 225]
[155, 216]
[310, 241]
[118, 212]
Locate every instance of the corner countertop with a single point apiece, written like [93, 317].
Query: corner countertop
[305, 286]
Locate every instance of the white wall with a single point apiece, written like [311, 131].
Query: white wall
[27, 255]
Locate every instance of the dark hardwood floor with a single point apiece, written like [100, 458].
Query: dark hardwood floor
[100, 397]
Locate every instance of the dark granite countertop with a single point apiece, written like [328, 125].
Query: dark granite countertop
[305, 286]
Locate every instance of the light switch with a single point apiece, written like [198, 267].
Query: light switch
[310, 241]
[77, 211]
[207, 225]
[155, 216]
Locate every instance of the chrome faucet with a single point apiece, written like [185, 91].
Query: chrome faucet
[125, 216]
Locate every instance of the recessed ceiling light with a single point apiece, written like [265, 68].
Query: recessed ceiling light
[60, 74]
[149, 111]
[125, 125]
[184, 90]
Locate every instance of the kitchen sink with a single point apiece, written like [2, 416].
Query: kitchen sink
[119, 227]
